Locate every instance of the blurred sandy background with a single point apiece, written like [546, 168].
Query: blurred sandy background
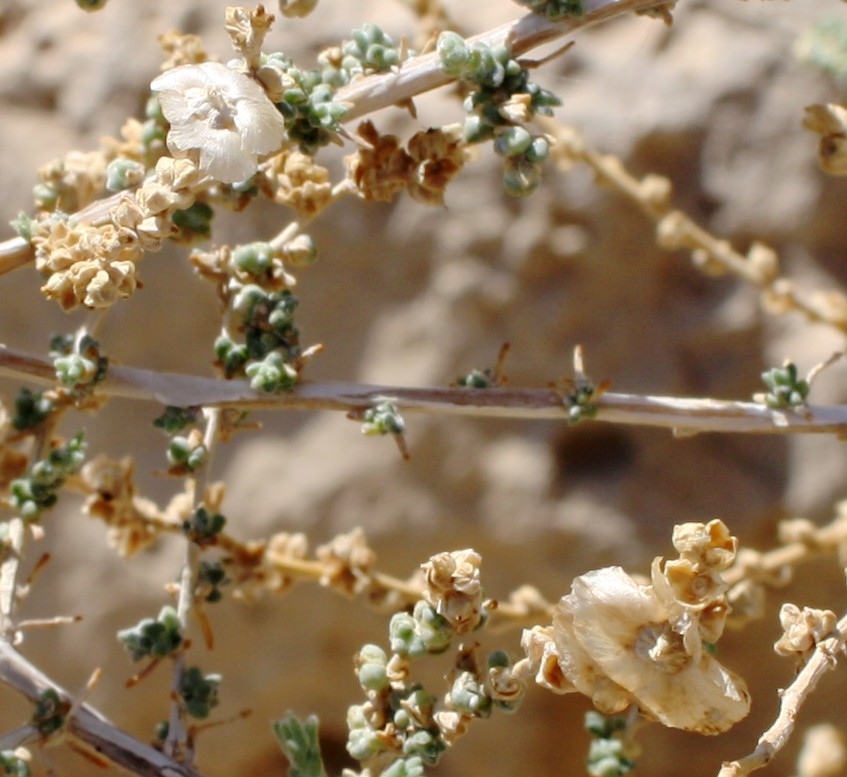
[405, 294]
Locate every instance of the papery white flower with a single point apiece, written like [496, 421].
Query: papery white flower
[220, 114]
[616, 645]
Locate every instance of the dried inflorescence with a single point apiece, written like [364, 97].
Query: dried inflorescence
[181, 49]
[830, 122]
[86, 265]
[13, 463]
[453, 588]
[72, 182]
[95, 265]
[296, 180]
[282, 548]
[621, 642]
[348, 562]
[382, 168]
[113, 499]
[802, 629]
[438, 155]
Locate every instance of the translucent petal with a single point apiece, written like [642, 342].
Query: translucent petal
[610, 614]
[221, 113]
[579, 667]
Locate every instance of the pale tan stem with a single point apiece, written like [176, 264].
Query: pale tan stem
[424, 73]
[10, 556]
[822, 660]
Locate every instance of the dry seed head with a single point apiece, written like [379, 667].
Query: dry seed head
[380, 170]
[802, 629]
[181, 49]
[830, 122]
[453, 588]
[347, 561]
[299, 182]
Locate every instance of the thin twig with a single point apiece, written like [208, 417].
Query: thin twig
[177, 743]
[760, 267]
[772, 741]
[769, 566]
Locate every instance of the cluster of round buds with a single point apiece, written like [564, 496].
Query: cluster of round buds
[263, 342]
[369, 51]
[502, 100]
[412, 635]
[621, 642]
[396, 721]
[37, 490]
[401, 728]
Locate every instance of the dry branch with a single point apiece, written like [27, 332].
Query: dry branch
[681, 414]
[772, 741]
[86, 724]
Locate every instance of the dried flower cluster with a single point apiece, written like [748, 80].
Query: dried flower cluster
[72, 182]
[113, 499]
[802, 629]
[453, 588]
[830, 122]
[94, 266]
[383, 168]
[181, 49]
[348, 562]
[621, 642]
[296, 180]
[282, 548]
[12, 461]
